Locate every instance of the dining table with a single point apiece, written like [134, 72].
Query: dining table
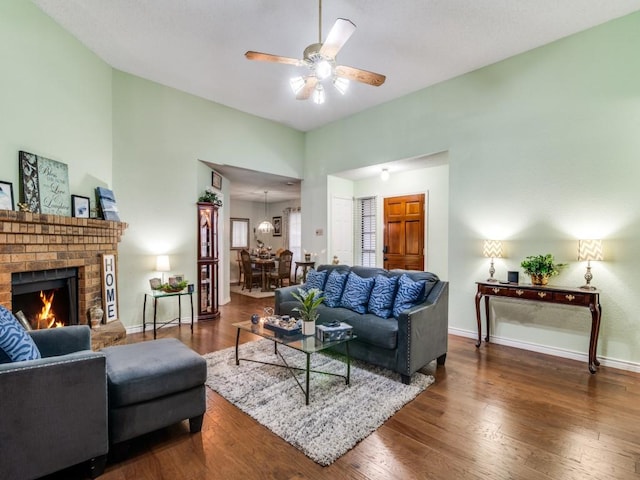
[265, 265]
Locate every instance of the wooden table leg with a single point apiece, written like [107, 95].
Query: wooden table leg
[486, 311]
[593, 340]
[478, 297]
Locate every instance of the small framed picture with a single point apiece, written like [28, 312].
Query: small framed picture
[216, 180]
[277, 226]
[80, 206]
[155, 283]
[179, 277]
[6, 196]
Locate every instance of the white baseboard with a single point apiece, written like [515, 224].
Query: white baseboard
[138, 328]
[554, 351]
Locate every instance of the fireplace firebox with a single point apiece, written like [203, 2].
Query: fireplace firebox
[47, 298]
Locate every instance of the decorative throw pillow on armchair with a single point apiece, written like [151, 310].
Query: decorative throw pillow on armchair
[14, 340]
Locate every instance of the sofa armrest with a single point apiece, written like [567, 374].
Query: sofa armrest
[60, 341]
[55, 413]
[284, 294]
[423, 331]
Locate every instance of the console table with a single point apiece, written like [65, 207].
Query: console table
[549, 294]
[154, 296]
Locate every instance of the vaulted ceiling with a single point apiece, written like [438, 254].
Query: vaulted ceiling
[198, 46]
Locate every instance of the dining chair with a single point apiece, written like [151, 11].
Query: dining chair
[252, 276]
[284, 269]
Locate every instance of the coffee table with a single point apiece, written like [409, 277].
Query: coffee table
[305, 344]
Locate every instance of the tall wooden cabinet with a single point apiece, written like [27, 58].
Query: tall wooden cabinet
[207, 262]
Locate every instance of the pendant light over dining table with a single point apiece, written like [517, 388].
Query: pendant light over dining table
[265, 226]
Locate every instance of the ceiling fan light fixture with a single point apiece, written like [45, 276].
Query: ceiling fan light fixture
[318, 95]
[323, 69]
[297, 83]
[341, 84]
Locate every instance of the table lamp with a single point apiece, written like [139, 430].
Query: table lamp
[162, 265]
[492, 249]
[589, 250]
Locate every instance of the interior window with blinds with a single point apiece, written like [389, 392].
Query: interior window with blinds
[366, 231]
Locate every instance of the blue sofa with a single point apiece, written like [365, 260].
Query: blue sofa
[403, 343]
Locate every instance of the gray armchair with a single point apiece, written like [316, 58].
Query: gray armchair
[54, 409]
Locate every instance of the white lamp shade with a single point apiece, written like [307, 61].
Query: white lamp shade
[492, 249]
[265, 227]
[590, 250]
[162, 263]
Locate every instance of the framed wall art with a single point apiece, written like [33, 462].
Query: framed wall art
[44, 184]
[80, 206]
[277, 226]
[6, 196]
[216, 180]
[107, 204]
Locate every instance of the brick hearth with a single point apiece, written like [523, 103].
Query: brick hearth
[33, 241]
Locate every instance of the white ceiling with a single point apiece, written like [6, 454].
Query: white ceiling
[198, 46]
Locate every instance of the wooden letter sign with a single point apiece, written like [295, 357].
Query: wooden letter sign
[109, 289]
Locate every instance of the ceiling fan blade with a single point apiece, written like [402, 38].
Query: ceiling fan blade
[359, 75]
[309, 86]
[338, 36]
[267, 57]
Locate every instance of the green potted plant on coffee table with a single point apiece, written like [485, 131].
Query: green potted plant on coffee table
[309, 300]
[541, 267]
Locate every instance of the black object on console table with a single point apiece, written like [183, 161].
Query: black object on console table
[550, 294]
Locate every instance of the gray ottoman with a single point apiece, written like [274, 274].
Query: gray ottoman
[153, 385]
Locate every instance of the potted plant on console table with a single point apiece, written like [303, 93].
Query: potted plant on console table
[541, 267]
[309, 302]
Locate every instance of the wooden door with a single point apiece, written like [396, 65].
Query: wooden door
[404, 222]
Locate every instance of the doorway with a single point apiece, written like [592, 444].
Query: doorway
[404, 238]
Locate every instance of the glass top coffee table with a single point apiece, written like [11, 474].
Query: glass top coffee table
[305, 344]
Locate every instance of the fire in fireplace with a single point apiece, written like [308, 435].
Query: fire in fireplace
[47, 298]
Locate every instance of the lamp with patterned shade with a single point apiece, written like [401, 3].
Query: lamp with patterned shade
[492, 249]
[589, 250]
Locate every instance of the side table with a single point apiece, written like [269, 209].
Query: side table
[155, 295]
[305, 268]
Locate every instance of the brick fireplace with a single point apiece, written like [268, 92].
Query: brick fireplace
[31, 242]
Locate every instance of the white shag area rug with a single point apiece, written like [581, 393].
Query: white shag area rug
[338, 415]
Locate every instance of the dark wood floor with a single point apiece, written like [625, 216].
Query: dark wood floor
[493, 413]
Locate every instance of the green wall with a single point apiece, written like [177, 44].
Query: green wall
[543, 151]
[160, 136]
[55, 99]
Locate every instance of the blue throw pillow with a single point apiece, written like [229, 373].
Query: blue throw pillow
[408, 294]
[14, 340]
[383, 295]
[356, 293]
[333, 288]
[315, 279]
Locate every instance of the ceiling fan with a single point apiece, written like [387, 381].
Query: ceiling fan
[320, 59]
